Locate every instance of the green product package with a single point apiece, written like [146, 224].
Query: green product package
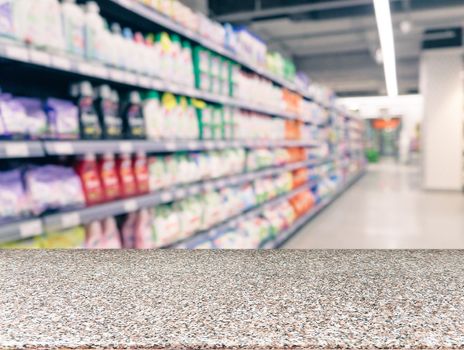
[206, 122]
[202, 68]
[152, 114]
[233, 70]
[220, 124]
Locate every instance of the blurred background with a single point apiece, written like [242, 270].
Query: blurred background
[231, 124]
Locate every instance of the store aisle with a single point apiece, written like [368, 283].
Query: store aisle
[387, 209]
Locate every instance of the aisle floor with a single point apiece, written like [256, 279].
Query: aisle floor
[387, 209]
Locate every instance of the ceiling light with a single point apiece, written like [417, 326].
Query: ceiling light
[378, 56]
[384, 26]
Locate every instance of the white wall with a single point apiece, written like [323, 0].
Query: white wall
[443, 89]
[409, 107]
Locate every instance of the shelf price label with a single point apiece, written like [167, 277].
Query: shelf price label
[157, 84]
[61, 63]
[85, 68]
[116, 75]
[208, 186]
[131, 78]
[166, 196]
[144, 81]
[171, 146]
[130, 205]
[30, 228]
[17, 53]
[126, 147]
[194, 190]
[39, 57]
[70, 220]
[180, 193]
[192, 145]
[63, 148]
[16, 149]
[100, 71]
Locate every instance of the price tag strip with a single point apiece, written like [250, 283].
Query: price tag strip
[130, 205]
[180, 193]
[126, 147]
[70, 220]
[166, 196]
[39, 57]
[30, 228]
[63, 148]
[17, 53]
[61, 63]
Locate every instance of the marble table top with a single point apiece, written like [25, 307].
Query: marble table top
[173, 299]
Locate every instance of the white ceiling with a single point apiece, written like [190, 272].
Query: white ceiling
[340, 52]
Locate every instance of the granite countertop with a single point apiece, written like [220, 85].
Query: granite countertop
[232, 299]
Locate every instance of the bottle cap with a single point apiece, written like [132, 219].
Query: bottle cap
[92, 7]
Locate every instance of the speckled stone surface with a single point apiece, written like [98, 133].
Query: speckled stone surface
[232, 299]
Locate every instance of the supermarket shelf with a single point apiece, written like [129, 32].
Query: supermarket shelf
[98, 212]
[161, 20]
[96, 70]
[299, 223]
[51, 222]
[20, 230]
[21, 149]
[30, 149]
[131, 146]
[213, 232]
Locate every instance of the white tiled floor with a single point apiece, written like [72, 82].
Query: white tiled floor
[387, 209]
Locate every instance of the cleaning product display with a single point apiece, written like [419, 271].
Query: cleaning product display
[194, 135]
[165, 171]
[348, 143]
[169, 223]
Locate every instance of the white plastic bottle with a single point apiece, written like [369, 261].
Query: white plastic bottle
[38, 22]
[73, 27]
[119, 46]
[52, 35]
[94, 32]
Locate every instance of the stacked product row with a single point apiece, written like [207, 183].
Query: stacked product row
[169, 223]
[237, 40]
[98, 112]
[81, 31]
[236, 197]
[348, 143]
[36, 189]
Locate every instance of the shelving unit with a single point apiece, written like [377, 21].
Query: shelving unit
[71, 68]
[52, 222]
[93, 70]
[134, 8]
[299, 223]
[213, 233]
[30, 149]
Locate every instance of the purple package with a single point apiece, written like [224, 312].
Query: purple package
[36, 118]
[63, 119]
[13, 116]
[53, 187]
[13, 200]
[6, 17]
